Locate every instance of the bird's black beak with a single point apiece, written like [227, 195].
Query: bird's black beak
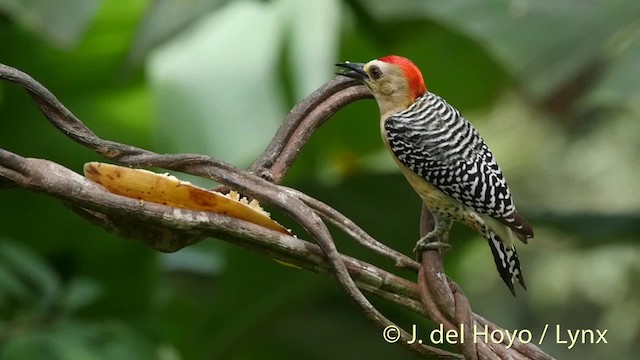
[356, 70]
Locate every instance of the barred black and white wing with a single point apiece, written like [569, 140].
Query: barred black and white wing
[433, 140]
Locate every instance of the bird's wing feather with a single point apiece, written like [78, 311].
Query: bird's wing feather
[433, 140]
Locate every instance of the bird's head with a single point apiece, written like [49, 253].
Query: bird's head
[394, 81]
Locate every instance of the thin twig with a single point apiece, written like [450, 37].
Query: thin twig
[304, 119]
[352, 229]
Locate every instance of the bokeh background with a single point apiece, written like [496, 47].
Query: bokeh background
[552, 85]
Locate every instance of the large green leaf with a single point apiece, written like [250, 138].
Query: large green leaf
[315, 30]
[164, 19]
[51, 19]
[215, 93]
[619, 86]
[545, 44]
[219, 91]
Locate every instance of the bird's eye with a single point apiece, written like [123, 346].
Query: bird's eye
[375, 72]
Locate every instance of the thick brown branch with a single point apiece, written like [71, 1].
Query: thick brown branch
[172, 229]
[215, 169]
[445, 303]
[50, 178]
[53, 179]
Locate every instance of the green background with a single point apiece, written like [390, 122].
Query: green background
[552, 85]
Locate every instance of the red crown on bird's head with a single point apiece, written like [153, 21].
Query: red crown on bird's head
[411, 72]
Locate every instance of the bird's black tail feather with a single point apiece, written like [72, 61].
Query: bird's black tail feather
[506, 259]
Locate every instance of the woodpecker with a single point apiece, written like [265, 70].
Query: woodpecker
[445, 160]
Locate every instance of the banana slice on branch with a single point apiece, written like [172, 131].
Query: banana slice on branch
[168, 190]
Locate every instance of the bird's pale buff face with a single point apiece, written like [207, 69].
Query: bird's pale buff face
[389, 86]
[394, 81]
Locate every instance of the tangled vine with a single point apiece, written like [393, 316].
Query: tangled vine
[168, 229]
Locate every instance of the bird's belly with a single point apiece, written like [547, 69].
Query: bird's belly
[438, 202]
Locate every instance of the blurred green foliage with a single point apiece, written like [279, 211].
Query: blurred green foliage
[553, 86]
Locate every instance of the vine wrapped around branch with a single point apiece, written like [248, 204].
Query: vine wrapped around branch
[168, 229]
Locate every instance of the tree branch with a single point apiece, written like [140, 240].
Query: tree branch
[445, 303]
[166, 229]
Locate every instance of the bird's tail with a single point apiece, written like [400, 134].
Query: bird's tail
[506, 259]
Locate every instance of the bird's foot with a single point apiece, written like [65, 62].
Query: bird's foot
[430, 242]
[436, 245]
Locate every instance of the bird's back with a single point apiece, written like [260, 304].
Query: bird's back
[438, 144]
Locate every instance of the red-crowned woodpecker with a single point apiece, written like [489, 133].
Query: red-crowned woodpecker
[445, 160]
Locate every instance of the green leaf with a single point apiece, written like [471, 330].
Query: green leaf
[73, 340]
[81, 292]
[31, 270]
[27, 347]
[544, 44]
[216, 85]
[63, 22]
[164, 19]
[617, 87]
[11, 287]
[315, 31]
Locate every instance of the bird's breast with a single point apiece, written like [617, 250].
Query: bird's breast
[431, 196]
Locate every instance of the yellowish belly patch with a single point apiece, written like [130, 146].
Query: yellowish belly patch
[438, 201]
